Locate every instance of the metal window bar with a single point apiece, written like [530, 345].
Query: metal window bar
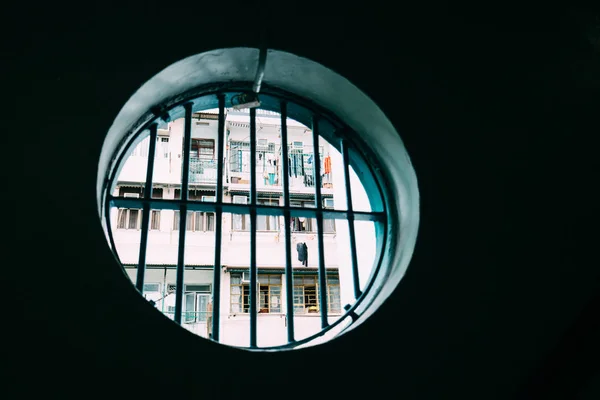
[186, 204]
[216, 300]
[141, 271]
[187, 145]
[319, 207]
[351, 227]
[289, 285]
[196, 205]
[253, 270]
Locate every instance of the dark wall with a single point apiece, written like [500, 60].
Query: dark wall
[497, 110]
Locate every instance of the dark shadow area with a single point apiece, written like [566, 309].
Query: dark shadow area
[499, 113]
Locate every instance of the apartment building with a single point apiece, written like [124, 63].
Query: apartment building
[199, 257]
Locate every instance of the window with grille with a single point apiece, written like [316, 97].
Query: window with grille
[203, 148]
[298, 204]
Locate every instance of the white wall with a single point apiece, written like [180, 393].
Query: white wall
[168, 170]
[364, 231]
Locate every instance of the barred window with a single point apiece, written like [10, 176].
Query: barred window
[283, 169]
[203, 148]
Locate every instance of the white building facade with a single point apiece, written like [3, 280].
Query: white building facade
[163, 237]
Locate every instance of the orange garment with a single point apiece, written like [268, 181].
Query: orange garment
[328, 165]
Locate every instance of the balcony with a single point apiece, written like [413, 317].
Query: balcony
[203, 171]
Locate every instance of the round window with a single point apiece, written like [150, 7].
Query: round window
[263, 215]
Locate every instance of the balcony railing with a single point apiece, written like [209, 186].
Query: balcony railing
[203, 170]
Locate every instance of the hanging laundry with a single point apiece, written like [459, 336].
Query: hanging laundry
[302, 253]
[327, 164]
[295, 165]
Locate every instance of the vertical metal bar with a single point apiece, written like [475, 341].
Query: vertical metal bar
[253, 270]
[289, 282]
[355, 277]
[141, 270]
[319, 206]
[216, 300]
[185, 173]
[164, 291]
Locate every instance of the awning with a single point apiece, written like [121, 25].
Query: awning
[171, 266]
[280, 270]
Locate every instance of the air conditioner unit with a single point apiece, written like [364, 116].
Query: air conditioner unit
[328, 202]
[209, 198]
[240, 200]
[151, 287]
[298, 145]
[136, 195]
